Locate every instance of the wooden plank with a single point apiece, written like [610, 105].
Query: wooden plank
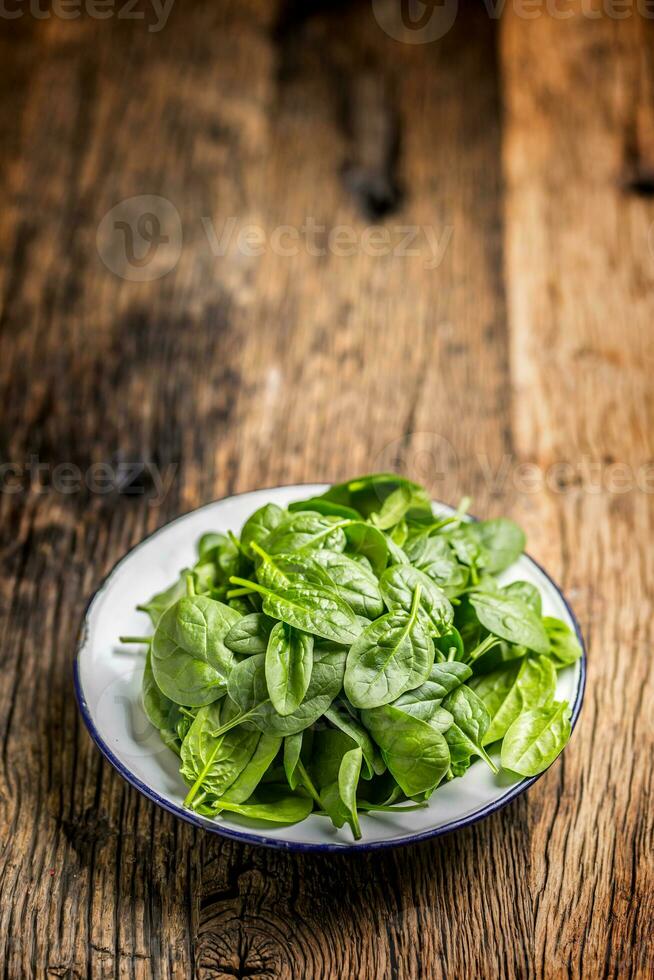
[579, 271]
[242, 370]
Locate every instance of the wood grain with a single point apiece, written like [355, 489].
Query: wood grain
[579, 273]
[518, 332]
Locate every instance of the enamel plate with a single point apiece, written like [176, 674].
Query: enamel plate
[108, 684]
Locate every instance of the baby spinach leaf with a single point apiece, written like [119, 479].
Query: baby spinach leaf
[354, 581]
[434, 556]
[502, 540]
[206, 578]
[219, 557]
[398, 585]
[434, 714]
[366, 540]
[286, 570]
[248, 689]
[492, 545]
[366, 494]
[292, 750]
[249, 778]
[342, 719]
[398, 504]
[213, 763]
[392, 655]
[510, 619]
[190, 661]
[415, 752]
[336, 766]
[471, 720]
[305, 531]
[209, 543]
[527, 592]
[288, 808]
[161, 712]
[250, 634]
[535, 738]
[288, 665]
[396, 555]
[348, 779]
[260, 524]
[512, 689]
[294, 769]
[564, 645]
[467, 546]
[399, 533]
[426, 701]
[467, 623]
[311, 608]
[184, 722]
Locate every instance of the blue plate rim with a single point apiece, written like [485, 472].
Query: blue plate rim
[274, 842]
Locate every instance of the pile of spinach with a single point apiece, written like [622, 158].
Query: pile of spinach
[349, 655]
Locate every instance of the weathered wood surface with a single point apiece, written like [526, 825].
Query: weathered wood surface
[523, 336]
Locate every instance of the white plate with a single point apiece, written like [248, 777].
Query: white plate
[108, 683]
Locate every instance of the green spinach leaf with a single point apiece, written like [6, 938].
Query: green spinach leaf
[311, 608]
[449, 646]
[250, 634]
[306, 531]
[286, 808]
[354, 580]
[326, 507]
[367, 541]
[288, 666]
[190, 661]
[249, 778]
[398, 585]
[292, 750]
[511, 690]
[367, 494]
[416, 753]
[426, 701]
[471, 720]
[527, 592]
[398, 504]
[260, 524]
[249, 691]
[392, 655]
[434, 556]
[285, 571]
[535, 738]
[336, 766]
[565, 648]
[160, 711]
[212, 763]
[345, 721]
[492, 545]
[510, 619]
[396, 554]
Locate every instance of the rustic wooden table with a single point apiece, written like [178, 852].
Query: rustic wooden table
[505, 350]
